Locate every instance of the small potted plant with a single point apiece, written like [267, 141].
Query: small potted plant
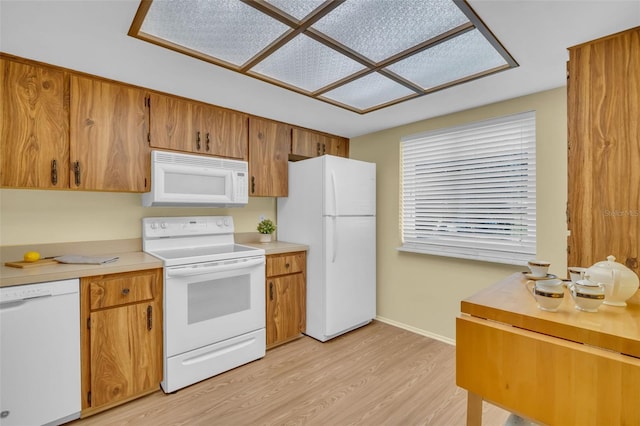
[266, 228]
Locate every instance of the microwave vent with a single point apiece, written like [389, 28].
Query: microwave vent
[198, 160]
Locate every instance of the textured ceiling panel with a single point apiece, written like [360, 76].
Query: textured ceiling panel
[224, 29]
[307, 64]
[361, 55]
[379, 29]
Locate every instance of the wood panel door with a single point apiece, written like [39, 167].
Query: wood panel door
[286, 308]
[307, 144]
[224, 132]
[269, 143]
[172, 124]
[109, 148]
[123, 353]
[34, 126]
[338, 147]
[604, 150]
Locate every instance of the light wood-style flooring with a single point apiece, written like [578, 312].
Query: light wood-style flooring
[376, 375]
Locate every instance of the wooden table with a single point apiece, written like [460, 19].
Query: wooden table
[557, 368]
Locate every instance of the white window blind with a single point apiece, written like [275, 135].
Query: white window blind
[470, 191]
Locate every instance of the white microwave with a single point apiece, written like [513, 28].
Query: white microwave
[196, 181]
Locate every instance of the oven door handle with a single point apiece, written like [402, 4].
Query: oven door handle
[220, 267]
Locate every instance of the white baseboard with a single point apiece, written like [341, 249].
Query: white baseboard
[417, 330]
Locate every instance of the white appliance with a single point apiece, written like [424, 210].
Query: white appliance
[331, 207]
[196, 181]
[40, 353]
[214, 297]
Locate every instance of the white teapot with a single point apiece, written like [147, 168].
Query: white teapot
[620, 282]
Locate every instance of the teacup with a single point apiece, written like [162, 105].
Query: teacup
[587, 295]
[539, 268]
[576, 273]
[548, 297]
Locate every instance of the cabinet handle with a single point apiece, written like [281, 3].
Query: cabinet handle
[318, 148]
[198, 140]
[76, 172]
[125, 291]
[149, 317]
[271, 290]
[324, 149]
[54, 172]
[208, 142]
[253, 184]
[286, 265]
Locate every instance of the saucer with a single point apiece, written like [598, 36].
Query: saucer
[528, 276]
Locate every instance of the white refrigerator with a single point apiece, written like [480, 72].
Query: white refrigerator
[331, 207]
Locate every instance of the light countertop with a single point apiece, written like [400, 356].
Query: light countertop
[130, 258]
[129, 253]
[274, 247]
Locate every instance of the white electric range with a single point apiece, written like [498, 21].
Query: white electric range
[214, 310]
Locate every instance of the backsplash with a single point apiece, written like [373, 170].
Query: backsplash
[49, 216]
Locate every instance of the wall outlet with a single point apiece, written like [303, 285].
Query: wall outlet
[261, 218]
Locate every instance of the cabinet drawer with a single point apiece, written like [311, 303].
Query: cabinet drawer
[121, 289]
[286, 264]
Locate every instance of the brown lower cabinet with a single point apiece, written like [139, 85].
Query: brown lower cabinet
[286, 294]
[121, 338]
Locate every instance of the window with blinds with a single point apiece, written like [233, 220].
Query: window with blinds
[470, 191]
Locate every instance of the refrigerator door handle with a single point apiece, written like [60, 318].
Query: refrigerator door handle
[335, 240]
[335, 192]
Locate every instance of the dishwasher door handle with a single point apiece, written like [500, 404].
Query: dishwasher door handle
[12, 304]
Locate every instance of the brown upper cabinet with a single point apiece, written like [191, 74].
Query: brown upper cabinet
[189, 126]
[65, 129]
[307, 144]
[338, 146]
[603, 94]
[269, 143]
[34, 126]
[108, 136]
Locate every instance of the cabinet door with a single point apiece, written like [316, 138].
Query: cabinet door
[307, 144]
[338, 147]
[171, 124]
[124, 344]
[286, 308]
[34, 126]
[604, 151]
[109, 148]
[224, 132]
[269, 143]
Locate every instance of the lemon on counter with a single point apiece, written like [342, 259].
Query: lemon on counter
[31, 256]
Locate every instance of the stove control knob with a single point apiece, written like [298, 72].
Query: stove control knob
[163, 225]
[226, 221]
[219, 222]
[154, 225]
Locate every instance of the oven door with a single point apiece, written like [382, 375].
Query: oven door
[206, 303]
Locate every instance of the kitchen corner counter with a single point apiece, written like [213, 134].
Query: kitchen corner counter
[130, 258]
[278, 247]
[251, 239]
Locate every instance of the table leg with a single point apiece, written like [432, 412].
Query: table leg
[474, 409]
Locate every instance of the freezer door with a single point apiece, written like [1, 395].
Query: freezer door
[350, 187]
[350, 276]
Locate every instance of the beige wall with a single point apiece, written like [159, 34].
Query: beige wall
[423, 292]
[39, 217]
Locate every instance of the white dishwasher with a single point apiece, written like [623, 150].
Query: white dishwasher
[40, 353]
